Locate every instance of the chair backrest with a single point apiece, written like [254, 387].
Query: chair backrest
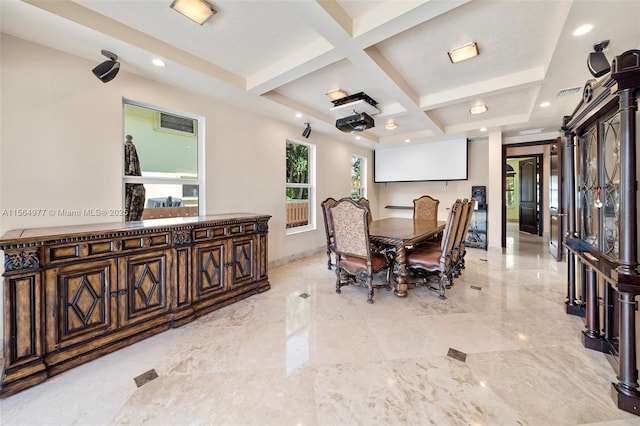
[328, 225]
[451, 229]
[425, 207]
[364, 202]
[350, 228]
[465, 214]
[471, 205]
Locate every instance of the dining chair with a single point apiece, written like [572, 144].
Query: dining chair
[437, 259]
[356, 262]
[379, 248]
[364, 202]
[426, 208]
[328, 228]
[461, 249]
[458, 237]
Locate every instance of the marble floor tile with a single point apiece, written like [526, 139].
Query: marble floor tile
[499, 350]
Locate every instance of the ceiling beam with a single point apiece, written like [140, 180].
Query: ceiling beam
[495, 86]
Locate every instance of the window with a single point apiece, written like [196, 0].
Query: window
[162, 169]
[358, 177]
[300, 186]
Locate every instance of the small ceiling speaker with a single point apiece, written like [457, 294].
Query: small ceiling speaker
[107, 70]
[597, 61]
[307, 131]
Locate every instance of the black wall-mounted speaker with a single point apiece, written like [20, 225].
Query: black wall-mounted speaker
[479, 193]
[107, 70]
[598, 64]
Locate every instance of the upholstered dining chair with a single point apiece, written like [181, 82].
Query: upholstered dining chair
[328, 228]
[388, 250]
[426, 208]
[437, 259]
[364, 202]
[460, 249]
[457, 238]
[356, 263]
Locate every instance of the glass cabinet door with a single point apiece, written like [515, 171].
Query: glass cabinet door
[588, 187]
[610, 136]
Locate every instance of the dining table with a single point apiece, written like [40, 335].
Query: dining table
[402, 233]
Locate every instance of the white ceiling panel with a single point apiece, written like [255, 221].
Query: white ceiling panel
[280, 57]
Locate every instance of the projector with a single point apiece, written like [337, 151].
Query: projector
[355, 123]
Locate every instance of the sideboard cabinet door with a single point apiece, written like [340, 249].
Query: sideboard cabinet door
[209, 280]
[79, 303]
[145, 286]
[243, 262]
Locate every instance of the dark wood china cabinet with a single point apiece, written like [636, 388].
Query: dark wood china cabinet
[601, 217]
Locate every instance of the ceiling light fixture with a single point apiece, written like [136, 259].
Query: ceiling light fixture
[463, 52]
[307, 131]
[107, 70]
[407, 140]
[478, 109]
[582, 29]
[483, 129]
[158, 62]
[336, 94]
[391, 124]
[545, 104]
[298, 115]
[196, 10]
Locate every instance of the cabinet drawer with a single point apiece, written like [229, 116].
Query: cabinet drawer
[80, 250]
[213, 232]
[145, 241]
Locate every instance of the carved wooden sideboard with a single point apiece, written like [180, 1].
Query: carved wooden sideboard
[72, 294]
[601, 196]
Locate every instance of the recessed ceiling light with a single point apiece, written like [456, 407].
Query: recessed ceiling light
[582, 29]
[391, 124]
[463, 52]
[478, 109]
[298, 115]
[545, 104]
[407, 140]
[484, 129]
[336, 94]
[357, 138]
[158, 62]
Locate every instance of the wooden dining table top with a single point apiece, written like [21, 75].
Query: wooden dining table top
[403, 231]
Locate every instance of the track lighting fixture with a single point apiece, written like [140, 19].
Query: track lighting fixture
[107, 70]
[307, 130]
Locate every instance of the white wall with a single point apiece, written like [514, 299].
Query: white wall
[61, 147]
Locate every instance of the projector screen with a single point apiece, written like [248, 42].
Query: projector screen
[442, 160]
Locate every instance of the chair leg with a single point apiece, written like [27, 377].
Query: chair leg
[441, 286]
[329, 259]
[370, 285]
[338, 280]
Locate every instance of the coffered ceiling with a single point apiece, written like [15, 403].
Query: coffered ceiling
[279, 58]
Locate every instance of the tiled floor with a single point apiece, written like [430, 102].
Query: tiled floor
[281, 358]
